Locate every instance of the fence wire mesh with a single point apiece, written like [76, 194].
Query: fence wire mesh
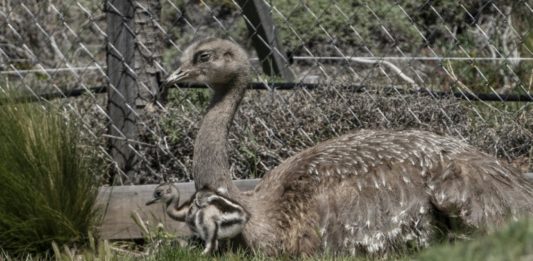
[366, 61]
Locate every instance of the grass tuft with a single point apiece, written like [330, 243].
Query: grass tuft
[47, 190]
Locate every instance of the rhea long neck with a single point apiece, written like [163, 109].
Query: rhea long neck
[172, 209]
[211, 166]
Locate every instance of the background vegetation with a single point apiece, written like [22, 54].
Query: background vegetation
[273, 125]
[408, 28]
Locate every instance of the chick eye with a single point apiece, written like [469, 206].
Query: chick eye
[204, 57]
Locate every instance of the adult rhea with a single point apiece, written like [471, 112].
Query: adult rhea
[368, 192]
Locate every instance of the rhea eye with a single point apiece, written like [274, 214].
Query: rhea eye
[204, 57]
[157, 194]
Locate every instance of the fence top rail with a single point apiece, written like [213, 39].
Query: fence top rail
[414, 58]
[307, 58]
[470, 96]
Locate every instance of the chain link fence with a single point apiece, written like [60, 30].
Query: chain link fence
[322, 68]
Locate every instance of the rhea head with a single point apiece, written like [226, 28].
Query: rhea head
[213, 61]
[165, 193]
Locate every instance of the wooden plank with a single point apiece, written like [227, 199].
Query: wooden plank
[122, 91]
[121, 202]
[258, 19]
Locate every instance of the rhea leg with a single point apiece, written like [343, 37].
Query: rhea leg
[210, 233]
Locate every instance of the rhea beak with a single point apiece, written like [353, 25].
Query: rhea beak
[176, 77]
[152, 201]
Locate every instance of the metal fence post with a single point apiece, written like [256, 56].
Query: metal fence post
[261, 26]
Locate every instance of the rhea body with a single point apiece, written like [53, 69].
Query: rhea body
[208, 214]
[371, 192]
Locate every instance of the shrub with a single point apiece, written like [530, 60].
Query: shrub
[47, 190]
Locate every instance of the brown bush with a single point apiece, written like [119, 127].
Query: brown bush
[272, 125]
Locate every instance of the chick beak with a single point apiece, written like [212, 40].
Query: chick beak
[176, 76]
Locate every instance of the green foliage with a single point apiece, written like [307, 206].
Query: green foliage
[384, 28]
[344, 23]
[47, 192]
[513, 243]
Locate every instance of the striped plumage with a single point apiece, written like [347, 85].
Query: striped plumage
[209, 214]
[370, 192]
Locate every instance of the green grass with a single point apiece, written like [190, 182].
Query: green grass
[47, 188]
[514, 242]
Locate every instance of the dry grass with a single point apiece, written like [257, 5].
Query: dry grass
[271, 126]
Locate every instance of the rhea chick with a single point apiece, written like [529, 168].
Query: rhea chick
[215, 216]
[209, 215]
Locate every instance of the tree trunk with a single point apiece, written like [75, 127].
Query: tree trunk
[147, 53]
[122, 90]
